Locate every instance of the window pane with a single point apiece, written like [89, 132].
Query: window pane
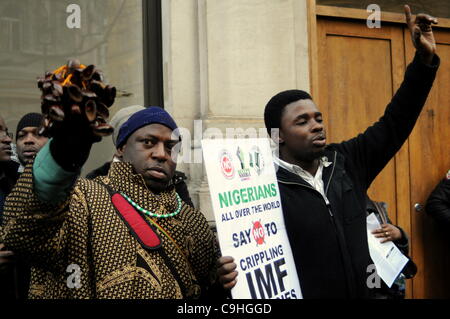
[35, 38]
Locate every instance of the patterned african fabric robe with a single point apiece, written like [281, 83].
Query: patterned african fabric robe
[86, 236]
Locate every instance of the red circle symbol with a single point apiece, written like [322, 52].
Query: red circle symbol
[258, 233]
[227, 166]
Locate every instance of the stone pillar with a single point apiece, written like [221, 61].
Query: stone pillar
[223, 60]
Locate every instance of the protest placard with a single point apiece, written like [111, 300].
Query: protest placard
[249, 218]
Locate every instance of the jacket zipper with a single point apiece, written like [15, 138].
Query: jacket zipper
[329, 181]
[332, 173]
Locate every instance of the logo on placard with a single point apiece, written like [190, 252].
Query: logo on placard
[244, 172]
[256, 159]
[226, 164]
[258, 233]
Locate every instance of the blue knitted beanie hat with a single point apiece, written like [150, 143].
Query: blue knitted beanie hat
[151, 115]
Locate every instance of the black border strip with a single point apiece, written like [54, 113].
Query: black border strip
[152, 55]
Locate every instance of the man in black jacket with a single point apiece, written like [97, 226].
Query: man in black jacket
[438, 204]
[323, 187]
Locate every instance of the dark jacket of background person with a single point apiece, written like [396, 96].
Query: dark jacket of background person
[8, 178]
[438, 204]
[178, 180]
[329, 242]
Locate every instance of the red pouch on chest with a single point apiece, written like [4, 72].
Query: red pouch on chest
[142, 230]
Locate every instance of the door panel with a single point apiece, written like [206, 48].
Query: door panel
[429, 161]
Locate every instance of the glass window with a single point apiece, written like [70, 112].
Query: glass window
[35, 38]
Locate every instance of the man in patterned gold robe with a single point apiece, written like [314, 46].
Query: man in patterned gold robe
[82, 244]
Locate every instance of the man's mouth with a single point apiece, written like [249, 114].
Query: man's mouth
[157, 172]
[319, 140]
[7, 150]
[29, 153]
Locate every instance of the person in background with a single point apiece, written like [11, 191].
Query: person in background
[389, 232]
[438, 203]
[16, 271]
[28, 139]
[116, 122]
[8, 178]
[8, 168]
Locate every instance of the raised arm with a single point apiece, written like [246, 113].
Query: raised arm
[372, 150]
[36, 223]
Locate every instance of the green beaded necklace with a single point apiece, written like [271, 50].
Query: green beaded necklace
[149, 213]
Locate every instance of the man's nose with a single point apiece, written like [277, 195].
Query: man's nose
[29, 139]
[159, 152]
[6, 139]
[317, 126]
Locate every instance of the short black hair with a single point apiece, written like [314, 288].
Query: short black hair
[275, 107]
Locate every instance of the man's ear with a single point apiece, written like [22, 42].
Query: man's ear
[120, 151]
[280, 138]
[277, 136]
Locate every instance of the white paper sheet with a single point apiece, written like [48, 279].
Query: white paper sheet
[388, 259]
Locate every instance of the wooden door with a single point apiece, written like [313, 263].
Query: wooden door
[429, 158]
[359, 70]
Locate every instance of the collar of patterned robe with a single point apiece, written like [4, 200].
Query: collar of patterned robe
[122, 179]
